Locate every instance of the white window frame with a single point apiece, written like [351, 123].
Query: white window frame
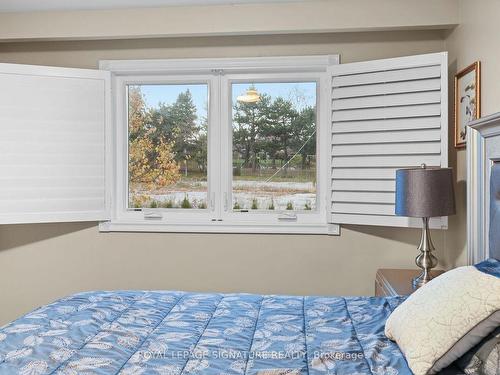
[220, 73]
[260, 217]
[120, 210]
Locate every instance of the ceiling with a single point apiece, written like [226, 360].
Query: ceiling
[47, 5]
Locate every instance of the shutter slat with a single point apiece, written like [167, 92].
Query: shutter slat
[28, 124]
[401, 161]
[389, 148]
[423, 110]
[54, 159]
[387, 88]
[392, 75]
[53, 205]
[65, 171]
[363, 197]
[363, 208]
[383, 125]
[91, 182]
[48, 136]
[387, 137]
[56, 148]
[53, 193]
[364, 173]
[387, 100]
[386, 115]
[360, 185]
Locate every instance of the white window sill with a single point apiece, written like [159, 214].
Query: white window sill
[218, 227]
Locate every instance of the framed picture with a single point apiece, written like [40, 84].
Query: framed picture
[467, 100]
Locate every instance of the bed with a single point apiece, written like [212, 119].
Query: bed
[174, 332]
[161, 332]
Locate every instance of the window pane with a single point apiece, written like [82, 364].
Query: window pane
[167, 163]
[274, 146]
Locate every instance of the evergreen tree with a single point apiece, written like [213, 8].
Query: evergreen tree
[183, 116]
[201, 146]
[177, 122]
[282, 117]
[248, 122]
[303, 128]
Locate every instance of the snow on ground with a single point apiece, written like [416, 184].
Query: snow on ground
[278, 193]
[272, 185]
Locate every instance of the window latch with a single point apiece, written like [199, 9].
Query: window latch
[287, 217]
[218, 72]
[151, 215]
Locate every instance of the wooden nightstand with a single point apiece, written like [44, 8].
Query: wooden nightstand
[394, 282]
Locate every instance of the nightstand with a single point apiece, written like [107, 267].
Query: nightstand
[397, 282]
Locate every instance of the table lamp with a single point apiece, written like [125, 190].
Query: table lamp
[425, 192]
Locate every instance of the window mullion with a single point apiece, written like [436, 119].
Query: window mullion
[214, 165]
[225, 147]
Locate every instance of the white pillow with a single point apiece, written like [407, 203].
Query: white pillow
[445, 318]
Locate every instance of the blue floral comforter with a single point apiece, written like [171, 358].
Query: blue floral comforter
[171, 333]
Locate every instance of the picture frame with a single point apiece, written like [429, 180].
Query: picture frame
[467, 100]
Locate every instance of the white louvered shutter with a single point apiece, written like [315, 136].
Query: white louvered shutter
[54, 124]
[386, 115]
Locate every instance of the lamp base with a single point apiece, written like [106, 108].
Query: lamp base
[426, 259]
[421, 280]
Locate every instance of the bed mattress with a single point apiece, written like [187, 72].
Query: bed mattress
[160, 332]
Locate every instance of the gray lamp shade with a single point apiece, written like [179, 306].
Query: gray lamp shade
[424, 192]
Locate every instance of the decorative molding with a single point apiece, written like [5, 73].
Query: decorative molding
[487, 126]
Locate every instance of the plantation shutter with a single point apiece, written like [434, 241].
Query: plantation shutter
[386, 114]
[54, 124]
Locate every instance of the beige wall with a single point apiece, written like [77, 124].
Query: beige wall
[260, 18]
[476, 38]
[39, 263]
